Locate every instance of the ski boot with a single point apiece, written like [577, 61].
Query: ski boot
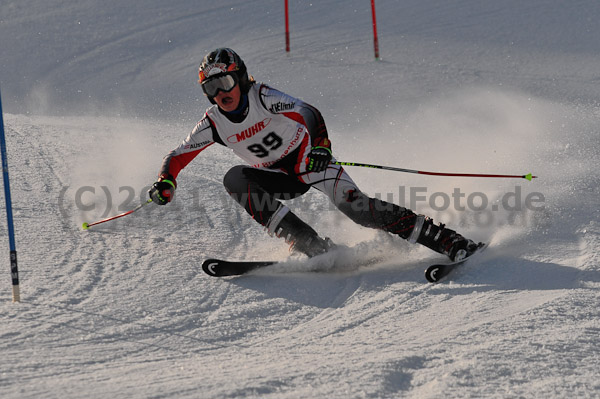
[301, 237]
[442, 240]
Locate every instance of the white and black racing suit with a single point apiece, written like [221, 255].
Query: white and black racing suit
[274, 133]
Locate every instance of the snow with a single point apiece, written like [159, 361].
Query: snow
[96, 93]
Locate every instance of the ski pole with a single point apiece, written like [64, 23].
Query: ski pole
[88, 225]
[420, 172]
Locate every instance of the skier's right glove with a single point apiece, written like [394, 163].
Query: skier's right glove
[319, 156]
[163, 190]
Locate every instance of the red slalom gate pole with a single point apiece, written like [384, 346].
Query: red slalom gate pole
[287, 28]
[375, 39]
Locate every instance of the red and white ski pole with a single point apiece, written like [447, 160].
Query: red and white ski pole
[528, 176]
[88, 225]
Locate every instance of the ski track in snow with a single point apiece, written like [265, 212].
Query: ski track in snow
[124, 311]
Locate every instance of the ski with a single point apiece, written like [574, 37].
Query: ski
[223, 268]
[436, 272]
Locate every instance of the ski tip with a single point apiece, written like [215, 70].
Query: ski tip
[431, 273]
[209, 267]
[435, 273]
[85, 226]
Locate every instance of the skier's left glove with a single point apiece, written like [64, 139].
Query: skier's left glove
[319, 156]
[163, 190]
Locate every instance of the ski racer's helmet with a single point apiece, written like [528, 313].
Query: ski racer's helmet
[219, 63]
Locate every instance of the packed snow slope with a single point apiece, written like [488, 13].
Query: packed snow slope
[95, 93]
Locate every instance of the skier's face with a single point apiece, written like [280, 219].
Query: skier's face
[228, 101]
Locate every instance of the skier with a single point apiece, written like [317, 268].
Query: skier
[285, 144]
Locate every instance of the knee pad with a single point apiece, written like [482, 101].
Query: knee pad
[235, 180]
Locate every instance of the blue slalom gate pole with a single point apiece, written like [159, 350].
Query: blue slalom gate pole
[14, 270]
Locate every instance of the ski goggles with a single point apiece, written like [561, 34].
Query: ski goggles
[224, 83]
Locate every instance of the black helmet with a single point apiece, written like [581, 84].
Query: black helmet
[224, 61]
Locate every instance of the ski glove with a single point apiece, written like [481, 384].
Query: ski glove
[162, 191]
[319, 156]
